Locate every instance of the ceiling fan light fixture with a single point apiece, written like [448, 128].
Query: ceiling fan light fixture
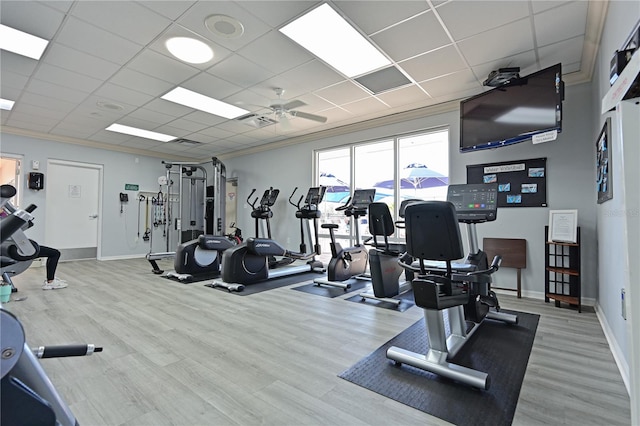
[330, 37]
[224, 26]
[189, 50]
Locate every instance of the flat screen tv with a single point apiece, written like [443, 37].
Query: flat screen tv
[513, 112]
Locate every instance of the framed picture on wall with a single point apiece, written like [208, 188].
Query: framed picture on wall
[604, 183]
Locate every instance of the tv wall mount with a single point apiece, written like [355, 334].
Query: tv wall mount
[502, 76]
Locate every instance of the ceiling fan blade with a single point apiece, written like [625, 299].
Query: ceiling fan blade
[313, 117]
[293, 104]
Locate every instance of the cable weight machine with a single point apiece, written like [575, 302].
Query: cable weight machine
[185, 207]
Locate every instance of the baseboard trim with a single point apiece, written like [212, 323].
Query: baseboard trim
[122, 257]
[618, 355]
[539, 295]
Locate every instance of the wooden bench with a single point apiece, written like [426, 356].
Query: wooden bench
[514, 255]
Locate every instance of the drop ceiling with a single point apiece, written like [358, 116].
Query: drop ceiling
[107, 63]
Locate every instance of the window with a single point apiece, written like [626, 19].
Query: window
[414, 166]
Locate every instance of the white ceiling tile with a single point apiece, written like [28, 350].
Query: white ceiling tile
[366, 106]
[124, 18]
[186, 125]
[39, 111]
[195, 18]
[240, 71]
[18, 64]
[110, 137]
[168, 108]
[204, 118]
[561, 23]
[67, 78]
[342, 93]
[461, 81]
[55, 104]
[277, 13]
[162, 67]
[27, 112]
[151, 116]
[80, 62]
[30, 122]
[89, 39]
[373, 16]
[143, 83]
[122, 94]
[433, 64]
[466, 18]
[425, 28]
[55, 91]
[210, 85]
[568, 51]
[12, 82]
[296, 81]
[71, 131]
[405, 95]
[214, 133]
[43, 21]
[542, 5]
[502, 42]
[275, 52]
[171, 9]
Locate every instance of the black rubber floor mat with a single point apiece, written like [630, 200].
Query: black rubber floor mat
[496, 348]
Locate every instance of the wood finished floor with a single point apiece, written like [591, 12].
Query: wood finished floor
[177, 354]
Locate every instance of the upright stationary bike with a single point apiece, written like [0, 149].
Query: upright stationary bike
[350, 262]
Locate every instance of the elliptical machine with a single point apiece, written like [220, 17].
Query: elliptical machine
[350, 262]
[248, 263]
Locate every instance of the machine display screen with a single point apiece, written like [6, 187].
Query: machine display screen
[474, 203]
[363, 197]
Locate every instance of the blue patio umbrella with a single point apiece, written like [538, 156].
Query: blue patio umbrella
[416, 176]
[337, 190]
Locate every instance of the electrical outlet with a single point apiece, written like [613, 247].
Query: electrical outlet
[624, 304]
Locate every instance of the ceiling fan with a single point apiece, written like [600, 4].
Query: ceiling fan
[283, 109]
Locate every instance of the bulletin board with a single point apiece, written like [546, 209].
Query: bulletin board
[521, 183]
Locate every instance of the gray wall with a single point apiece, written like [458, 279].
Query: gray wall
[622, 17]
[119, 231]
[570, 183]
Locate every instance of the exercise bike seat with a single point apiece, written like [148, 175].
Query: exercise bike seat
[329, 226]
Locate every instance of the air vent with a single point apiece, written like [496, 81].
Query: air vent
[184, 141]
[255, 120]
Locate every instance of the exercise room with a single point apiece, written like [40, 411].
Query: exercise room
[320, 212]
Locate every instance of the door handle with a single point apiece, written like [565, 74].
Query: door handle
[93, 216]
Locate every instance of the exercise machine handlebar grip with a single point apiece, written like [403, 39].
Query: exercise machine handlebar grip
[65, 350]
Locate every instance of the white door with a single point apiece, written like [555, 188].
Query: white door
[73, 194]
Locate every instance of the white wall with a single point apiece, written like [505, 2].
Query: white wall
[570, 184]
[612, 216]
[119, 231]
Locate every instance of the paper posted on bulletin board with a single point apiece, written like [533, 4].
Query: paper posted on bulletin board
[521, 183]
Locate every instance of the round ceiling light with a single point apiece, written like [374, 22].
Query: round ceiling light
[189, 50]
[224, 26]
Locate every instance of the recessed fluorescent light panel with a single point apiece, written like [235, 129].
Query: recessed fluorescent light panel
[327, 35]
[21, 43]
[6, 104]
[134, 131]
[204, 103]
[189, 50]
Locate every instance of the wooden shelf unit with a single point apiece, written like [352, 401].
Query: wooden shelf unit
[562, 275]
